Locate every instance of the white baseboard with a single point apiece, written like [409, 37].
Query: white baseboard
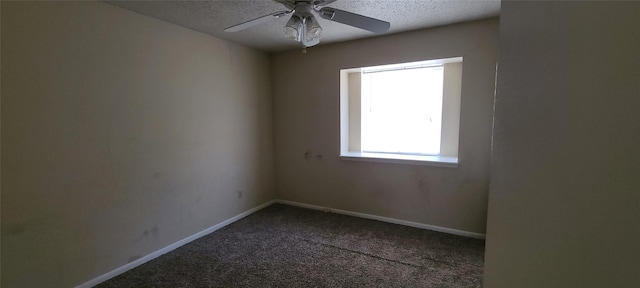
[157, 253]
[386, 219]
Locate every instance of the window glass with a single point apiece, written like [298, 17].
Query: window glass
[402, 111]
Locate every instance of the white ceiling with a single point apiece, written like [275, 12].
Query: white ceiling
[213, 16]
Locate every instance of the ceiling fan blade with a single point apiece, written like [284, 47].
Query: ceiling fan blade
[257, 21]
[355, 20]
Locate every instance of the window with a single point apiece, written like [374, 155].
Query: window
[402, 113]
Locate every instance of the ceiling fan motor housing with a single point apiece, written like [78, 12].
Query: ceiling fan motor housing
[291, 4]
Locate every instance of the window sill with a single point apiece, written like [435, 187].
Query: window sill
[437, 161]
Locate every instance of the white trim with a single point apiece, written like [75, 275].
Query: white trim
[410, 65]
[171, 247]
[426, 160]
[157, 253]
[386, 219]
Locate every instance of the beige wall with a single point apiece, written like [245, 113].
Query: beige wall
[0, 144]
[307, 109]
[564, 206]
[121, 135]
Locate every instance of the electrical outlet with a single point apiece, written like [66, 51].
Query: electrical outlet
[239, 194]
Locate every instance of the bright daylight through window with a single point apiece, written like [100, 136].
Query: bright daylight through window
[407, 113]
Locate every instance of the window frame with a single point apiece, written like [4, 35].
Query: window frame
[350, 116]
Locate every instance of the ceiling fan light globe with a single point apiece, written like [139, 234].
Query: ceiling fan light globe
[314, 33]
[313, 28]
[293, 28]
[291, 33]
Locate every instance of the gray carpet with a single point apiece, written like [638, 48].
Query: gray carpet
[284, 246]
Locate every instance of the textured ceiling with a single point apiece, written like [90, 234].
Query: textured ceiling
[213, 16]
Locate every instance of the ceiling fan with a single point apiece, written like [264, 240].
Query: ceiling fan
[304, 28]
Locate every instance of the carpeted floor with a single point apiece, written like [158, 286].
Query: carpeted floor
[284, 246]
